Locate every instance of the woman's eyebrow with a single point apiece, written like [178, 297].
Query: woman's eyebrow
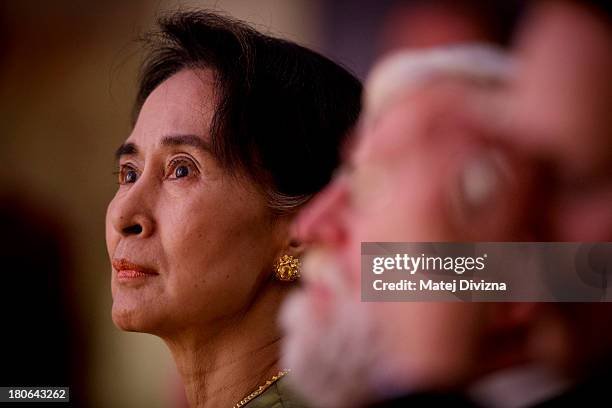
[126, 149]
[189, 140]
[130, 149]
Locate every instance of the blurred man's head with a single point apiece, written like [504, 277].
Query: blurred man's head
[451, 147]
[420, 171]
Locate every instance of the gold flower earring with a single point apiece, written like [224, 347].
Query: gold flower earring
[287, 268]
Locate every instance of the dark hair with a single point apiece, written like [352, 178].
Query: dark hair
[283, 111]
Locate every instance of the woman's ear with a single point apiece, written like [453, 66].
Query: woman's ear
[287, 265]
[295, 247]
[290, 240]
[295, 244]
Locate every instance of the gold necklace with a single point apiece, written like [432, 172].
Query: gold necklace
[261, 389]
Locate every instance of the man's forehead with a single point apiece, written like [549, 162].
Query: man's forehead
[391, 133]
[409, 119]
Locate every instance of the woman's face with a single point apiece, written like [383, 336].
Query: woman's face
[189, 243]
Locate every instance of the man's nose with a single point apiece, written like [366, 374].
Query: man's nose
[322, 221]
[131, 213]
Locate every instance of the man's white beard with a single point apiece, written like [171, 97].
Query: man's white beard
[336, 353]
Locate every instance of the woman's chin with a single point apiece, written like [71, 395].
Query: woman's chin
[132, 319]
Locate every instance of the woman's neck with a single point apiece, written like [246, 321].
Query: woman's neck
[219, 368]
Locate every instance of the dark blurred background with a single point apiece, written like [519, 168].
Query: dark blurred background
[67, 81]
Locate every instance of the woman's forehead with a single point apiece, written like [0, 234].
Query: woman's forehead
[182, 104]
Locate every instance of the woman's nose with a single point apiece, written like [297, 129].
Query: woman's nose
[322, 221]
[131, 214]
[135, 225]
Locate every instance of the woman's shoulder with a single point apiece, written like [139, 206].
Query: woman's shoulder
[279, 395]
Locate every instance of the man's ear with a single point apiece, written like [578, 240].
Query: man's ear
[508, 330]
[510, 316]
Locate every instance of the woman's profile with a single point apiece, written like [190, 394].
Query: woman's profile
[234, 132]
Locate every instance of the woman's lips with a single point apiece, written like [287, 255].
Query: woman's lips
[127, 270]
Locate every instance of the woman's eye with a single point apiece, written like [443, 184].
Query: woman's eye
[131, 176]
[127, 175]
[180, 168]
[181, 171]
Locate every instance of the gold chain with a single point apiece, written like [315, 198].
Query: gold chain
[261, 389]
